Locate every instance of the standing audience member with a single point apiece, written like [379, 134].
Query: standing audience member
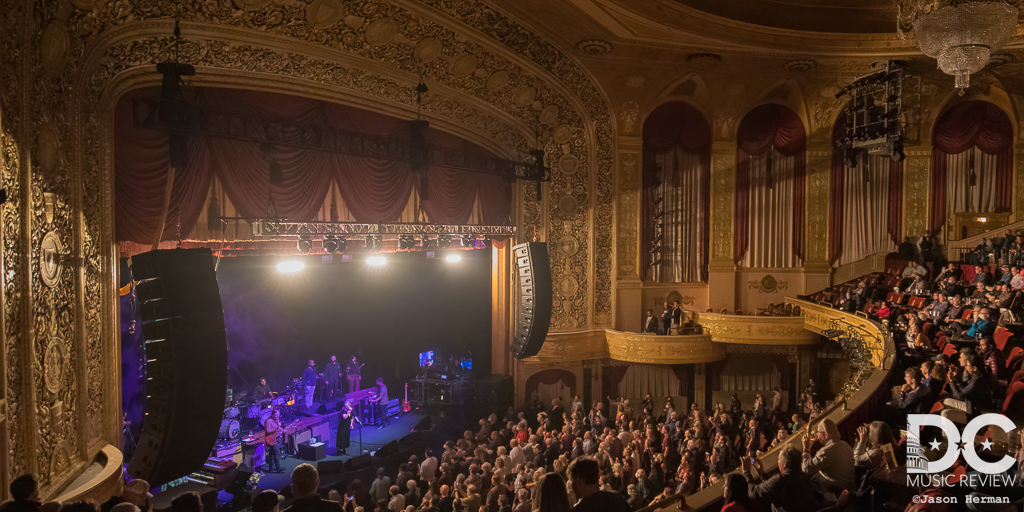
[551, 494]
[187, 502]
[735, 492]
[305, 482]
[266, 501]
[584, 477]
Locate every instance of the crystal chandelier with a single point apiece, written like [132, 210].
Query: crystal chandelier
[961, 35]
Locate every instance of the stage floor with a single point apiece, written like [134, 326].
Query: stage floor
[448, 423]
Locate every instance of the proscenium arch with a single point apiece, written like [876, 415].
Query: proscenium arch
[102, 77]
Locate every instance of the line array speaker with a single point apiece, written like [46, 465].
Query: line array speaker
[534, 318]
[186, 362]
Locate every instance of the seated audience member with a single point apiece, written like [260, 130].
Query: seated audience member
[991, 357]
[1017, 281]
[305, 482]
[914, 395]
[266, 501]
[867, 453]
[980, 277]
[938, 308]
[832, 465]
[917, 340]
[973, 393]
[983, 326]
[790, 490]
[24, 495]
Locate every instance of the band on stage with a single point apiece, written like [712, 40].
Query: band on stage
[329, 382]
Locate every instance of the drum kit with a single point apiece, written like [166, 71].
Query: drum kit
[245, 414]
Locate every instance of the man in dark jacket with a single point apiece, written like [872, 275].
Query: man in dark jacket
[584, 477]
[789, 491]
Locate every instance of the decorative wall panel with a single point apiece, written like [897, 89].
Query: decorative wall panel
[916, 179]
[722, 187]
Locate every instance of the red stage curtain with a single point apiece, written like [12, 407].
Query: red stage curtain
[374, 189]
[762, 129]
[141, 164]
[973, 123]
[673, 125]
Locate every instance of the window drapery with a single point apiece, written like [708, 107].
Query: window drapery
[972, 161]
[677, 186]
[770, 170]
[865, 204]
[373, 189]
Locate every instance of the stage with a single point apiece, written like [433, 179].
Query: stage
[404, 436]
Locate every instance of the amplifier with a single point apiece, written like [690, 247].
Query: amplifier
[394, 407]
[322, 432]
[315, 451]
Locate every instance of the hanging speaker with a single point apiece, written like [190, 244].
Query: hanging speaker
[534, 318]
[186, 362]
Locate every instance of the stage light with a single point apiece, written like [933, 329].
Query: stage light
[374, 243]
[376, 260]
[468, 240]
[342, 244]
[444, 241]
[330, 244]
[453, 258]
[406, 242]
[290, 266]
[305, 244]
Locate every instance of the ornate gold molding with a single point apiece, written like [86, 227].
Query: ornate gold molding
[818, 318]
[756, 330]
[723, 179]
[916, 178]
[651, 349]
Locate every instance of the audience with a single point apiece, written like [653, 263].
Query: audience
[790, 490]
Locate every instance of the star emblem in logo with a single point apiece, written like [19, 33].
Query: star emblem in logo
[987, 444]
[935, 444]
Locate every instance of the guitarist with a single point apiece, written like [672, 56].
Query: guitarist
[352, 374]
[381, 399]
[271, 439]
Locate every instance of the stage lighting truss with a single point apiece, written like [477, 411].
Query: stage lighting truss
[271, 228]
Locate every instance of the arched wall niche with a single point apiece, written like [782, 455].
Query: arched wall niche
[696, 95]
[492, 80]
[786, 92]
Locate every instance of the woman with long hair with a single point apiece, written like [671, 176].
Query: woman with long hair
[867, 453]
[551, 494]
[735, 492]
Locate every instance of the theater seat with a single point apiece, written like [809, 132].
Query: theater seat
[1001, 337]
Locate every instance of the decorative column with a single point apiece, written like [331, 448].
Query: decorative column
[817, 270]
[631, 258]
[721, 269]
[916, 184]
[1018, 184]
[502, 324]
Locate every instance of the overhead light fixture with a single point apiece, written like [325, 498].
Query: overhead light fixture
[290, 266]
[444, 241]
[453, 258]
[406, 242]
[958, 34]
[374, 243]
[305, 244]
[342, 244]
[377, 260]
[468, 240]
[330, 244]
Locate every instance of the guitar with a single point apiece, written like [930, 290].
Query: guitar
[405, 403]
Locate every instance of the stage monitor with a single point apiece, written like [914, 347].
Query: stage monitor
[427, 359]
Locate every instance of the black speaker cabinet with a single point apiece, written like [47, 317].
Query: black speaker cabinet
[534, 319]
[313, 452]
[186, 362]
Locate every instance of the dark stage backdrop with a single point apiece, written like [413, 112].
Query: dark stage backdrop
[384, 315]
